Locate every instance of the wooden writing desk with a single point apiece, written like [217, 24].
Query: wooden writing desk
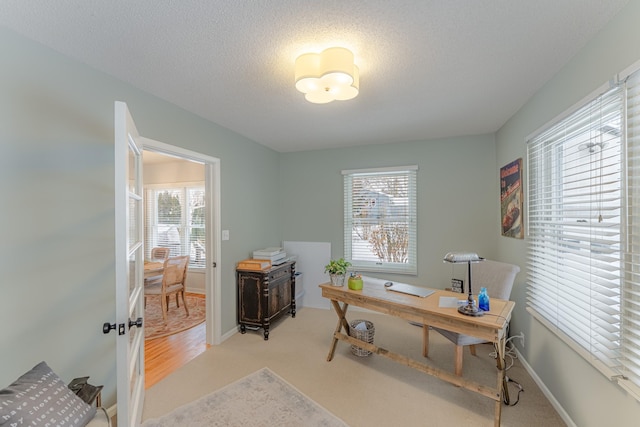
[374, 296]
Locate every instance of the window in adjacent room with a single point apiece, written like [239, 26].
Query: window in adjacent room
[584, 231]
[175, 219]
[380, 227]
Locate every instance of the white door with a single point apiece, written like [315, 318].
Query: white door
[129, 269]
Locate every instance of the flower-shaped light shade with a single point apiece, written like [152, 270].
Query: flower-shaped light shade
[327, 76]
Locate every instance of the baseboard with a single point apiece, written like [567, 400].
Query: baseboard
[547, 393]
[229, 334]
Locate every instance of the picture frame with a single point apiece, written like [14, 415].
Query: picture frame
[511, 200]
[457, 285]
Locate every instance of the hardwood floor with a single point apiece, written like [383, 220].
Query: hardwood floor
[164, 355]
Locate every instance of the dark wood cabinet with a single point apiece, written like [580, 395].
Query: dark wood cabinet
[265, 295]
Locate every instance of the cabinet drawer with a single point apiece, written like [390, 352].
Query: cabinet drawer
[280, 273]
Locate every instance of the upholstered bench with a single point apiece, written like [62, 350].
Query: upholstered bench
[40, 397]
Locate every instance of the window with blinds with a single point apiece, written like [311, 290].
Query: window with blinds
[583, 179]
[630, 314]
[380, 219]
[175, 219]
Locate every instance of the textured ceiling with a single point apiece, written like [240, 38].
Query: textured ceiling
[428, 68]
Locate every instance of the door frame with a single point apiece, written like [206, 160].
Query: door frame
[213, 291]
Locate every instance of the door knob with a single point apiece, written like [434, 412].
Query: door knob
[108, 327]
[137, 322]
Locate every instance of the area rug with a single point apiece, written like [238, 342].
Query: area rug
[259, 399]
[177, 320]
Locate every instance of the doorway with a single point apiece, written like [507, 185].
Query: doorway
[179, 168]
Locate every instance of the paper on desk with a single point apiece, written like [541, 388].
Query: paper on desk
[448, 302]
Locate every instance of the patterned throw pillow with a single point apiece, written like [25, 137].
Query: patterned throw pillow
[41, 398]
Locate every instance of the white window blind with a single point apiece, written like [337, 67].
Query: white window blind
[380, 219]
[631, 285]
[583, 197]
[175, 219]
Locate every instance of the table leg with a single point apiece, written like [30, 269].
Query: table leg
[341, 312]
[501, 382]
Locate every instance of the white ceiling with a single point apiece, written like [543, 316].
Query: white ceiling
[428, 68]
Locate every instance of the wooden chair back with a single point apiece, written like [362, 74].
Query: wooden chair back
[175, 271]
[174, 276]
[160, 253]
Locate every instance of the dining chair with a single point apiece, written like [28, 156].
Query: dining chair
[498, 278]
[160, 254]
[173, 281]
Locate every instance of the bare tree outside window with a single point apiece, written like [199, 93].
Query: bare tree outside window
[390, 243]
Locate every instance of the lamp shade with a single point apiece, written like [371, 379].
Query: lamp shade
[327, 76]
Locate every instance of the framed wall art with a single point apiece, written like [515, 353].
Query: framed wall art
[511, 200]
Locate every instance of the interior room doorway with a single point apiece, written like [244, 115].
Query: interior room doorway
[184, 186]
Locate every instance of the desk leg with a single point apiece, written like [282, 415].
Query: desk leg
[425, 340]
[502, 382]
[342, 322]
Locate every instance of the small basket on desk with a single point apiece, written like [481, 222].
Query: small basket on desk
[364, 335]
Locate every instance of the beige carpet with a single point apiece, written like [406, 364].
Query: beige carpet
[362, 391]
[257, 400]
[177, 319]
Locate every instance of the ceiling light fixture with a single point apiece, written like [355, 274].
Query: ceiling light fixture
[327, 76]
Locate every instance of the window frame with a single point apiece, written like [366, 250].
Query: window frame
[410, 267]
[617, 354]
[151, 217]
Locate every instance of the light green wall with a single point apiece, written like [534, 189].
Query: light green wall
[457, 196]
[586, 395]
[57, 181]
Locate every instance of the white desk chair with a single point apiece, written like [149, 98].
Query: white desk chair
[498, 278]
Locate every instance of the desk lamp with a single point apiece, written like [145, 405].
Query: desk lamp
[470, 309]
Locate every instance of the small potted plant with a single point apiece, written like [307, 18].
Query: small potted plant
[337, 270]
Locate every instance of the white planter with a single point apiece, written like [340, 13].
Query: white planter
[337, 279]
